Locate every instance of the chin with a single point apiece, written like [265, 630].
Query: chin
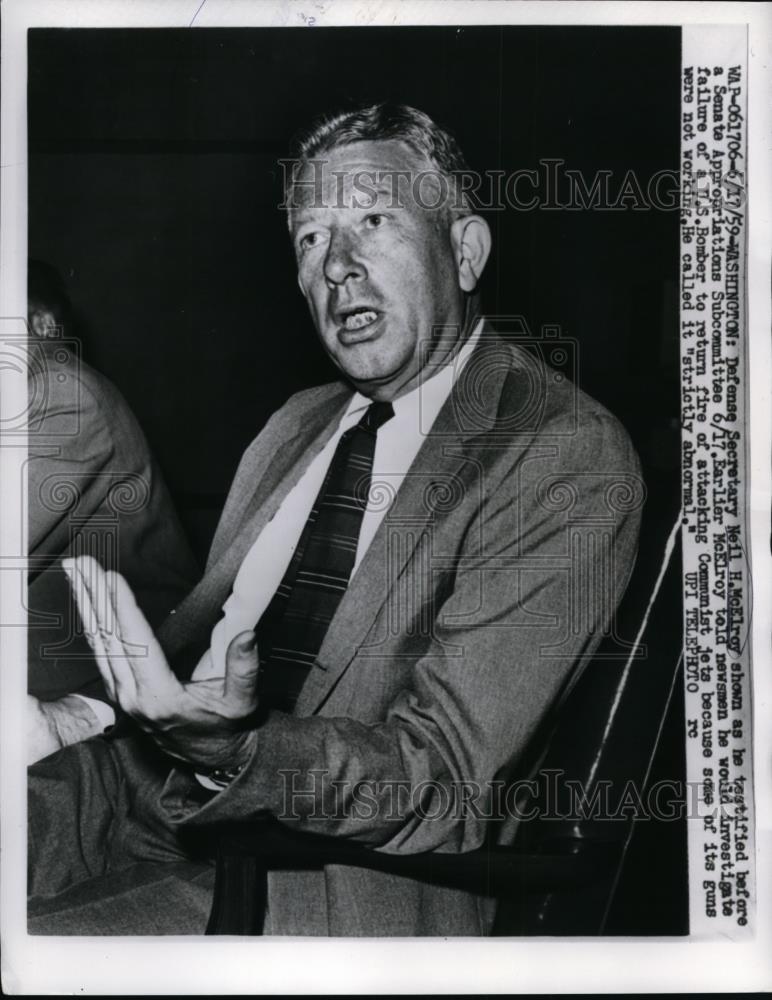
[380, 384]
[367, 378]
[362, 364]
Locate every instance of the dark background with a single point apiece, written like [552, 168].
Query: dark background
[153, 186]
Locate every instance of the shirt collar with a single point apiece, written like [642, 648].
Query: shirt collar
[426, 400]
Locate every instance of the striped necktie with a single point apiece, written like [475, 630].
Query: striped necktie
[293, 626]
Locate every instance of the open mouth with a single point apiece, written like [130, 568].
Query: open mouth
[353, 320]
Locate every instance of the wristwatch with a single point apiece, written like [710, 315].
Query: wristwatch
[223, 776]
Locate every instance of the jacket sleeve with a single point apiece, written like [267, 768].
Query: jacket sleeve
[544, 563]
[70, 445]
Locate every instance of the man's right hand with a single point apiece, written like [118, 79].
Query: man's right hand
[205, 722]
[52, 725]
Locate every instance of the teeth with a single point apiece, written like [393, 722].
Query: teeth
[359, 319]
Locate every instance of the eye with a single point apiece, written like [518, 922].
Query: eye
[310, 240]
[375, 220]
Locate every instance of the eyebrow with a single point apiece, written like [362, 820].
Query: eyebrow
[382, 188]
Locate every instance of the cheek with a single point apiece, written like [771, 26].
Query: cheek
[416, 266]
[314, 292]
[407, 277]
[418, 289]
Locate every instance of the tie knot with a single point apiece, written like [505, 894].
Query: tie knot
[376, 415]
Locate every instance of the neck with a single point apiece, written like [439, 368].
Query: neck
[441, 352]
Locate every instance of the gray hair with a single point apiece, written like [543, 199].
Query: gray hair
[385, 121]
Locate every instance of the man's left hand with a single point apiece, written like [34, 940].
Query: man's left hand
[204, 722]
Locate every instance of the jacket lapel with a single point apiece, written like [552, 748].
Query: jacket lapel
[275, 471]
[443, 458]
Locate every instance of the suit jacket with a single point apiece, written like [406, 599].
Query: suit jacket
[92, 486]
[488, 584]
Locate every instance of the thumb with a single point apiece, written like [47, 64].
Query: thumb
[241, 663]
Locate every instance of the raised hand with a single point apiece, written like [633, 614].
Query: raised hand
[204, 722]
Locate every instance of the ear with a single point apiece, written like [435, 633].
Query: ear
[43, 323]
[471, 240]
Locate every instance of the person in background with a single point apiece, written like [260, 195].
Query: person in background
[93, 488]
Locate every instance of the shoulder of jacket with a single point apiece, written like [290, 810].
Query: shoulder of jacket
[302, 405]
[309, 399]
[555, 408]
[293, 415]
[75, 381]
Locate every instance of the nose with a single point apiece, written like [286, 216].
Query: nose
[343, 262]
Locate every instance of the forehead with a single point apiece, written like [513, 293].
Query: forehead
[371, 154]
[335, 175]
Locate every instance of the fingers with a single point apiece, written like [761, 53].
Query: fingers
[128, 655]
[120, 642]
[86, 580]
[241, 666]
[141, 669]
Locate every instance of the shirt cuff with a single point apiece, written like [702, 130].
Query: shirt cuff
[104, 712]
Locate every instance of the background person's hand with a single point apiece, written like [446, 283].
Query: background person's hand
[204, 722]
[52, 725]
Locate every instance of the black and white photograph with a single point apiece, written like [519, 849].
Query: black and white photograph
[380, 559]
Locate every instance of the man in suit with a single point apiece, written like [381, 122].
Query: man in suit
[431, 548]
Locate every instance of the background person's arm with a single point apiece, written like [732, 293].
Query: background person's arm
[52, 725]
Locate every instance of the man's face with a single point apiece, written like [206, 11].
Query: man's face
[377, 269]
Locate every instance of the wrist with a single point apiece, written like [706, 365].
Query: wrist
[71, 719]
